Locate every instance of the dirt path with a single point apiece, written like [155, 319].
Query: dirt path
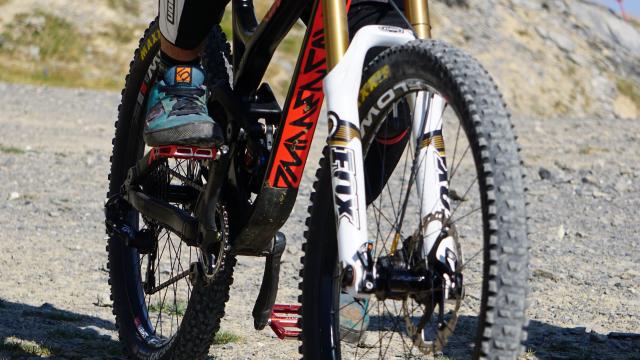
[584, 181]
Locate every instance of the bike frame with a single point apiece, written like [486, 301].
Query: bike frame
[325, 47]
[254, 45]
[326, 61]
[297, 123]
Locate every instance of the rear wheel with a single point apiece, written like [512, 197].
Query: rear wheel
[161, 311]
[486, 220]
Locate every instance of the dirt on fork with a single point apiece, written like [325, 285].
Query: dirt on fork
[583, 177]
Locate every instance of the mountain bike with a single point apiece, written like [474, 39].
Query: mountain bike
[417, 212]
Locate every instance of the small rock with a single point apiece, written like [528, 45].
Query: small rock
[47, 306]
[54, 213]
[589, 179]
[100, 302]
[629, 274]
[36, 22]
[34, 52]
[622, 186]
[579, 330]
[577, 59]
[623, 335]
[562, 42]
[544, 274]
[616, 222]
[561, 232]
[543, 32]
[576, 275]
[545, 174]
[564, 166]
[599, 194]
[14, 196]
[599, 338]
[587, 328]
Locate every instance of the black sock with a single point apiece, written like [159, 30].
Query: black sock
[167, 62]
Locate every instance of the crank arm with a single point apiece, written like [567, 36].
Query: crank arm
[177, 220]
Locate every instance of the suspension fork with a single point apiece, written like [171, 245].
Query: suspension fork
[344, 63]
[417, 12]
[345, 153]
[342, 85]
[431, 172]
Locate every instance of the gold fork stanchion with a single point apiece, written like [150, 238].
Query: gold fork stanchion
[336, 33]
[417, 12]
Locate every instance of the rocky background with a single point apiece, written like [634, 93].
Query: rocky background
[569, 70]
[550, 57]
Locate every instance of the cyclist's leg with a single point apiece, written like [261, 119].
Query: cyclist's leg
[177, 111]
[184, 24]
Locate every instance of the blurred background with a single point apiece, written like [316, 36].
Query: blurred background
[550, 57]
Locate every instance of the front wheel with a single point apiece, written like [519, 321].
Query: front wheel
[486, 218]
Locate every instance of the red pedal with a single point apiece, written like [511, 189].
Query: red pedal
[285, 321]
[182, 152]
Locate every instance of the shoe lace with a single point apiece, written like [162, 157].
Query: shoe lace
[187, 99]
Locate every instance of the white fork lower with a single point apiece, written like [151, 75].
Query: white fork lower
[431, 174]
[342, 86]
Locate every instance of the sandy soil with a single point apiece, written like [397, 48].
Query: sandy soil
[584, 194]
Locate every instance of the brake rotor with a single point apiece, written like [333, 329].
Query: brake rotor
[432, 341]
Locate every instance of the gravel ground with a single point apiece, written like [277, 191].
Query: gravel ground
[584, 194]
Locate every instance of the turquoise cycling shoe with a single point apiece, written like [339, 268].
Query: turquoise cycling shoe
[177, 111]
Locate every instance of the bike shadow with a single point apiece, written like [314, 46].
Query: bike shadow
[545, 341]
[28, 331]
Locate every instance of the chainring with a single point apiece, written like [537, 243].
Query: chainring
[212, 263]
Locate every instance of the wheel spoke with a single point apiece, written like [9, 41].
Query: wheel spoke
[455, 149]
[455, 167]
[466, 192]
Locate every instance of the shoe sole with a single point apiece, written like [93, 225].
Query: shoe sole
[204, 134]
